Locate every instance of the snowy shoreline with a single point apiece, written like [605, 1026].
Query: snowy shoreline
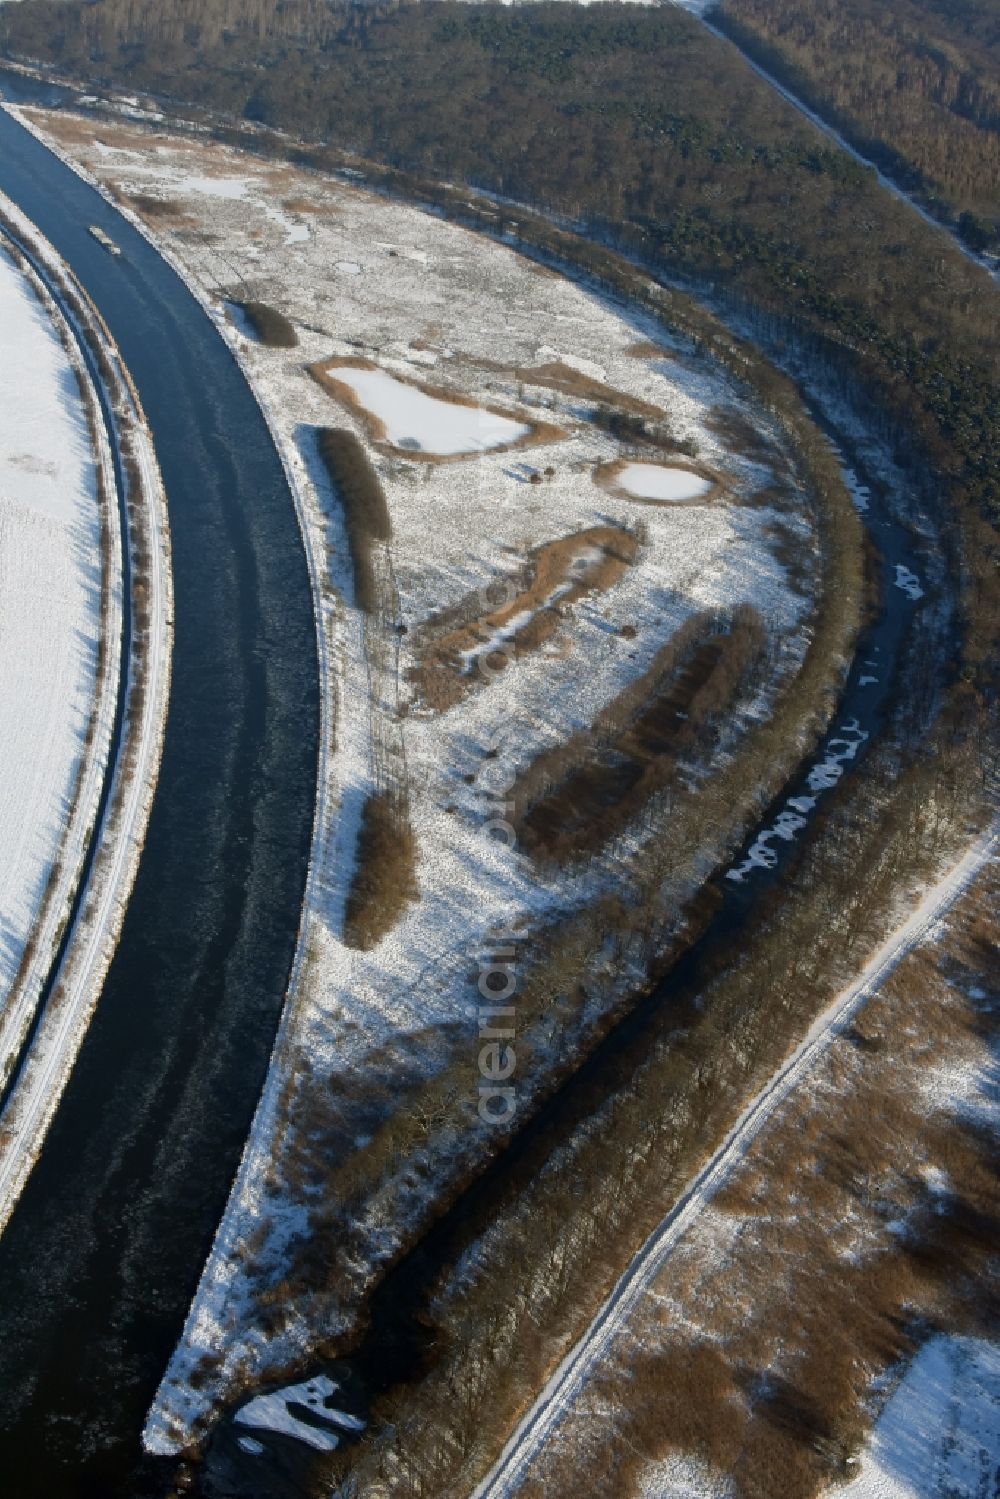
[135, 759]
[97, 607]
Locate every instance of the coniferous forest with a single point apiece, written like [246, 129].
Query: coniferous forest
[915, 85]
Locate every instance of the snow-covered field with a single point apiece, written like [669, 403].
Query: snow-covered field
[374, 286]
[62, 1024]
[50, 605]
[939, 1433]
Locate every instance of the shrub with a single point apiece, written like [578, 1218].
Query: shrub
[270, 326]
[384, 870]
[366, 514]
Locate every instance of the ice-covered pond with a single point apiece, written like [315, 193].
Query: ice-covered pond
[416, 421]
[659, 481]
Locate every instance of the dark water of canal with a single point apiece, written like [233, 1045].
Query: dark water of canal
[102, 1255]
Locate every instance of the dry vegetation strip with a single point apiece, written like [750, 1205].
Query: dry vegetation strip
[167, 210]
[385, 879]
[366, 513]
[324, 373]
[834, 1251]
[575, 797]
[571, 382]
[627, 418]
[557, 574]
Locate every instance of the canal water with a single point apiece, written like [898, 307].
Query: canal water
[101, 1258]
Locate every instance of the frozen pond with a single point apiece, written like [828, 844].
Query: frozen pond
[421, 423]
[656, 481]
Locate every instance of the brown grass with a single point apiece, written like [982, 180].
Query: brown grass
[322, 372]
[562, 377]
[385, 879]
[308, 205]
[167, 210]
[80, 130]
[799, 1321]
[438, 675]
[572, 799]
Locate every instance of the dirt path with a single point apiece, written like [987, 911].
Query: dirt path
[565, 1384]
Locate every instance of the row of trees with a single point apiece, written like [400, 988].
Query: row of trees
[915, 83]
[637, 123]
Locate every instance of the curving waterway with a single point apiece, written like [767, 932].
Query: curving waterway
[102, 1255]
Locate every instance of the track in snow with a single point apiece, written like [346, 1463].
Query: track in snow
[702, 12]
[565, 1384]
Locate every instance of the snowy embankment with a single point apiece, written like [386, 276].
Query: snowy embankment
[133, 695]
[60, 593]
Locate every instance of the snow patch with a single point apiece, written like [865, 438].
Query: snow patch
[233, 188]
[908, 582]
[791, 820]
[680, 1477]
[274, 1412]
[940, 1432]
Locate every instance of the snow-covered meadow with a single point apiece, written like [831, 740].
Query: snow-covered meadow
[50, 605]
[446, 337]
[939, 1433]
